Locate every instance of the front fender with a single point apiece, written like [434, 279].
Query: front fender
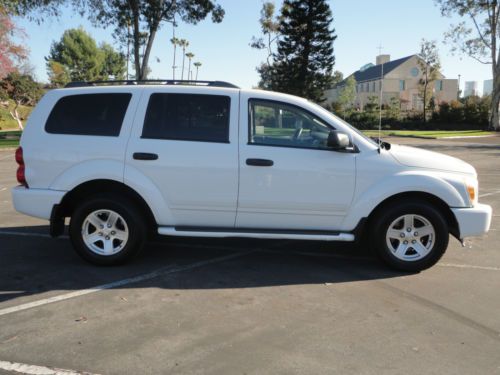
[404, 182]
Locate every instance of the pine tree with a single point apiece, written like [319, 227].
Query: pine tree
[304, 60]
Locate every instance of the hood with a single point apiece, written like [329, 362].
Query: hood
[416, 157]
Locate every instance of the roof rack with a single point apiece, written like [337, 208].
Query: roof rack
[152, 82]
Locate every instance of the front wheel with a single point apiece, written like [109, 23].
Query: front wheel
[106, 230]
[410, 236]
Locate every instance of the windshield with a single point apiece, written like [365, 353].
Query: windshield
[336, 118]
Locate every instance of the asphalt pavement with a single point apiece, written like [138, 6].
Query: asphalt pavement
[205, 306]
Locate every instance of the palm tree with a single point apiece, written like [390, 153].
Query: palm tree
[184, 44]
[197, 65]
[190, 56]
[175, 41]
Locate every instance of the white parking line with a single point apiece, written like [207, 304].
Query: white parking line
[22, 368]
[488, 194]
[10, 155]
[160, 272]
[453, 265]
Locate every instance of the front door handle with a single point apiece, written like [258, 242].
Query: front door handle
[144, 156]
[260, 162]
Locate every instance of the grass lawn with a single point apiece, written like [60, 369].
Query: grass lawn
[6, 120]
[9, 138]
[428, 133]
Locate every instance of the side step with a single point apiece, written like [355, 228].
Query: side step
[255, 233]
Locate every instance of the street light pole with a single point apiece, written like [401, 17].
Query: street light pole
[458, 88]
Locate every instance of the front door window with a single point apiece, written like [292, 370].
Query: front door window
[279, 124]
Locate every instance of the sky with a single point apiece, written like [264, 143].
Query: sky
[223, 49]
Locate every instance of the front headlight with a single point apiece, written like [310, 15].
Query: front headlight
[471, 185]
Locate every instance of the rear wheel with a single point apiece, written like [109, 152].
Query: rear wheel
[410, 236]
[106, 230]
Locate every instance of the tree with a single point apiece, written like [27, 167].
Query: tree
[58, 74]
[394, 108]
[146, 18]
[337, 77]
[304, 59]
[113, 66]
[183, 43]
[428, 61]
[347, 95]
[77, 51]
[35, 10]
[23, 90]
[11, 53]
[197, 65]
[477, 38]
[76, 57]
[175, 42]
[269, 25]
[190, 56]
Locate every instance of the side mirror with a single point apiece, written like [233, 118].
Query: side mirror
[338, 140]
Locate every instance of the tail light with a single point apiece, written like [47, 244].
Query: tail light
[21, 177]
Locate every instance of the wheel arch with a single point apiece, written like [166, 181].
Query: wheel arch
[434, 200]
[70, 200]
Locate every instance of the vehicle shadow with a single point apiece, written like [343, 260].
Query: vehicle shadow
[33, 265]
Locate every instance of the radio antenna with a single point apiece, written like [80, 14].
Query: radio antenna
[380, 99]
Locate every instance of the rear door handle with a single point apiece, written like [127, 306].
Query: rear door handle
[260, 162]
[144, 156]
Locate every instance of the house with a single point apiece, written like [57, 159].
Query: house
[400, 80]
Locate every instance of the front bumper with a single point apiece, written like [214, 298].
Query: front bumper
[36, 202]
[473, 221]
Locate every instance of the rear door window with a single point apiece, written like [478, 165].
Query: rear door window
[89, 114]
[188, 117]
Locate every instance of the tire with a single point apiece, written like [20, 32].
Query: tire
[409, 250]
[104, 245]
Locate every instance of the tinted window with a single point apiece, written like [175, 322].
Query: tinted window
[88, 114]
[279, 124]
[188, 117]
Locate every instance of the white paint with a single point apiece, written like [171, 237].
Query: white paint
[22, 368]
[160, 272]
[170, 231]
[10, 155]
[453, 265]
[488, 194]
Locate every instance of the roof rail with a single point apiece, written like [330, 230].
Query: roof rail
[151, 82]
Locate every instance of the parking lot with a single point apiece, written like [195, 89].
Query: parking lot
[203, 306]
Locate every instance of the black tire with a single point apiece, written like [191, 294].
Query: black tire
[386, 216]
[133, 217]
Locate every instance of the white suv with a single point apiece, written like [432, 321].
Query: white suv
[207, 159]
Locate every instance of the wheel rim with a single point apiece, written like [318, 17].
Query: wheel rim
[105, 232]
[410, 237]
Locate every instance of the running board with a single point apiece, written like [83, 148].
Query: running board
[265, 234]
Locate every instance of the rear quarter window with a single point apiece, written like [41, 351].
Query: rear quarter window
[89, 114]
